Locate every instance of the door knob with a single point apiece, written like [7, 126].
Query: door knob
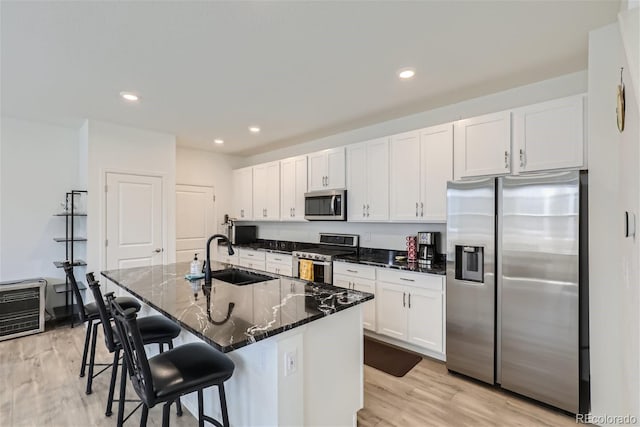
[158, 250]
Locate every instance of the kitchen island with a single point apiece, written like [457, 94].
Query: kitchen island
[297, 346]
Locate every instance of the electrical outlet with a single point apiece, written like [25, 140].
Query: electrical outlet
[290, 362]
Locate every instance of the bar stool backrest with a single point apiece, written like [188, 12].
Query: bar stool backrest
[136, 357]
[68, 269]
[105, 317]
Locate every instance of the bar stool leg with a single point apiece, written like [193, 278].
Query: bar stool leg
[112, 384]
[200, 409]
[178, 404]
[92, 357]
[123, 387]
[143, 417]
[223, 405]
[166, 412]
[87, 336]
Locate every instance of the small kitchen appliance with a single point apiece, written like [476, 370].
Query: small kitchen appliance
[239, 234]
[427, 247]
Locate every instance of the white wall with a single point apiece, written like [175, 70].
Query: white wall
[614, 187]
[114, 148]
[38, 166]
[558, 87]
[197, 167]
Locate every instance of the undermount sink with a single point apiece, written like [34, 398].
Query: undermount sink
[239, 277]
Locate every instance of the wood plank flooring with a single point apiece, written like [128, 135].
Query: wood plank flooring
[39, 386]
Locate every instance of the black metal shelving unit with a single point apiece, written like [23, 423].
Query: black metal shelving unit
[70, 239]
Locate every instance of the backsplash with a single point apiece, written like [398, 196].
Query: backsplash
[372, 235]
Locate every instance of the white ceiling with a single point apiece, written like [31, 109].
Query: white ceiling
[300, 70]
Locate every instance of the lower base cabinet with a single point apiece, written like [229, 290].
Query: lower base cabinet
[411, 313]
[362, 285]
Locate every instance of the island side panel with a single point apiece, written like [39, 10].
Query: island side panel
[333, 369]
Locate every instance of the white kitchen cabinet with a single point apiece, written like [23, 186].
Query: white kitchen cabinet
[221, 254]
[326, 170]
[359, 278]
[410, 307]
[421, 164]
[549, 135]
[266, 191]
[250, 258]
[295, 306]
[482, 145]
[279, 264]
[436, 161]
[293, 185]
[243, 193]
[368, 180]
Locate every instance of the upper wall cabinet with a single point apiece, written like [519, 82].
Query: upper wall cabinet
[368, 181]
[421, 165]
[243, 193]
[326, 170]
[293, 185]
[266, 191]
[549, 135]
[483, 145]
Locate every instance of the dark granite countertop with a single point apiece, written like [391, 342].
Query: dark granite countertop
[240, 315]
[275, 246]
[387, 258]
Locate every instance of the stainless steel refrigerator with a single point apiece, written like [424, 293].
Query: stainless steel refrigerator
[517, 285]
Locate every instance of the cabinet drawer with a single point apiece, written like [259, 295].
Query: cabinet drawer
[283, 269]
[253, 264]
[421, 280]
[357, 270]
[250, 254]
[275, 258]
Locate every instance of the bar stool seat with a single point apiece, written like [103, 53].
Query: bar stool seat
[91, 309]
[154, 329]
[187, 368]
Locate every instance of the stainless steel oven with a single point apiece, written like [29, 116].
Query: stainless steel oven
[330, 205]
[322, 256]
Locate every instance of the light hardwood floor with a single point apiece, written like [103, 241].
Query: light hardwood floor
[39, 386]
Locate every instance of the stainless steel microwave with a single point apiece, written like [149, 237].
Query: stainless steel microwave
[329, 205]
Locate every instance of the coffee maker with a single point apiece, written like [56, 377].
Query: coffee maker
[428, 247]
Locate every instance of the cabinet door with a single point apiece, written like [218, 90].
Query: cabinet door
[259, 190]
[243, 193]
[483, 145]
[549, 135]
[391, 310]
[425, 318]
[335, 169]
[369, 307]
[436, 151]
[271, 198]
[317, 171]
[287, 188]
[300, 187]
[404, 188]
[357, 182]
[378, 180]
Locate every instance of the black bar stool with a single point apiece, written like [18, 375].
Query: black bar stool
[89, 313]
[169, 375]
[153, 329]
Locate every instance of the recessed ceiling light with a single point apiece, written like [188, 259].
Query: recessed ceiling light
[406, 73]
[254, 129]
[129, 96]
[218, 141]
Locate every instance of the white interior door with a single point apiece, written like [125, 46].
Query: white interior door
[195, 220]
[133, 221]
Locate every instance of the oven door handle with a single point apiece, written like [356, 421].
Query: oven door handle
[333, 205]
[314, 262]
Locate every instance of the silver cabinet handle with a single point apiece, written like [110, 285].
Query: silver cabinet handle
[363, 207]
[422, 209]
[352, 271]
[250, 255]
[521, 158]
[242, 213]
[506, 159]
[404, 299]
[277, 259]
[327, 180]
[367, 210]
[294, 211]
[407, 280]
[416, 209]
[409, 300]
